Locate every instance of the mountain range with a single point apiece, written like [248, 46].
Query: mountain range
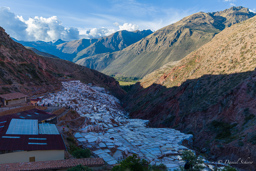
[77, 49]
[138, 53]
[170, 43]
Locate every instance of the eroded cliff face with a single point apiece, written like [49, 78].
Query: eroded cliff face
[210, 93]
[24, 71]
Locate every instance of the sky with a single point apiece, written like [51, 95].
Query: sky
[50, 20]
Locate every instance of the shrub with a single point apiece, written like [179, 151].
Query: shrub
[195, 161]
[133, 163]
[228, 168]
[222, 129]
[81, 153]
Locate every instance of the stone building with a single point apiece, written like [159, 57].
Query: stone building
[13, 98]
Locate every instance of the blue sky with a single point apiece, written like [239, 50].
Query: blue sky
[72, 19]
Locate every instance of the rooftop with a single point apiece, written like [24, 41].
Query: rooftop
[11, 96]
[19, 133]
[54, 164]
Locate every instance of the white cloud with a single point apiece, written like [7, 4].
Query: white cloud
[50, 29]
[101, 32]
[12, 24]
[128, 26]
[252, 10]
[95, 32]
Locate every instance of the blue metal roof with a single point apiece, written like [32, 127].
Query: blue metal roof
[23, 127]
[46, 128]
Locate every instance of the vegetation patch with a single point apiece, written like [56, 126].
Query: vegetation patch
[133, 163]
[223, 129]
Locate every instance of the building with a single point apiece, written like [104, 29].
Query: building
[26, 137]
[94, 163]
[13, 98]
[34, 101]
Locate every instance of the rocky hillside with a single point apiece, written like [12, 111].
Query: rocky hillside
[115, 42]
[47, 47]
[75, 46]
[21, 70]
[210, 93]
[77, 49]
[170, 43]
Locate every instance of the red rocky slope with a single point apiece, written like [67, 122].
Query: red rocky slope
[21, 70]
[210, 93]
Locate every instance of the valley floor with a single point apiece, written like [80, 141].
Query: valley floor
[110, 134]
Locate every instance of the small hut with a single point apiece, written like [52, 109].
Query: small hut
[13, 98]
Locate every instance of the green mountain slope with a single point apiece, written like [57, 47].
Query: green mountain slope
[170, 43]
[114, 42]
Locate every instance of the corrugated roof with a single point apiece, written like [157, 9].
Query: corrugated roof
[53, 142]
[46, 128]
[11, 96]
[54, 164]
[23, 127]
[19, 141]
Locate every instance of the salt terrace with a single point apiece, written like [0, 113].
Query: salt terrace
[110, 134]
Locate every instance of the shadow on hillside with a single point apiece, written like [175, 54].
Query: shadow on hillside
[219, 110]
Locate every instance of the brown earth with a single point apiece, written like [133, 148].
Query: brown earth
[210, 93]
[21, 70]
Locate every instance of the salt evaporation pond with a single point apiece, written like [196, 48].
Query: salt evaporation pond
[110, 134]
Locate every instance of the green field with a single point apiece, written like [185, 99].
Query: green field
[123, 83]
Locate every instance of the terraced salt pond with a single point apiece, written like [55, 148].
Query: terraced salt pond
[110, 134]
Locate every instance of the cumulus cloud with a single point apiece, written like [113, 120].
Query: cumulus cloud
[50, 29]
[12, 24]
[95, 32]
[101, 32]
[129, 27]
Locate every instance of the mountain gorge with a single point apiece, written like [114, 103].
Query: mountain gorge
[210, 93]
[24, 71]
[170, 43]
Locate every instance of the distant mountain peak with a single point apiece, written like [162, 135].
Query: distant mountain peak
[59, 41]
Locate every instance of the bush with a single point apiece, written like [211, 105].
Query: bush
[80, 168]
[133, 163]
[223, 129]
[81, 153]
[194, 161]
[228, 168]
